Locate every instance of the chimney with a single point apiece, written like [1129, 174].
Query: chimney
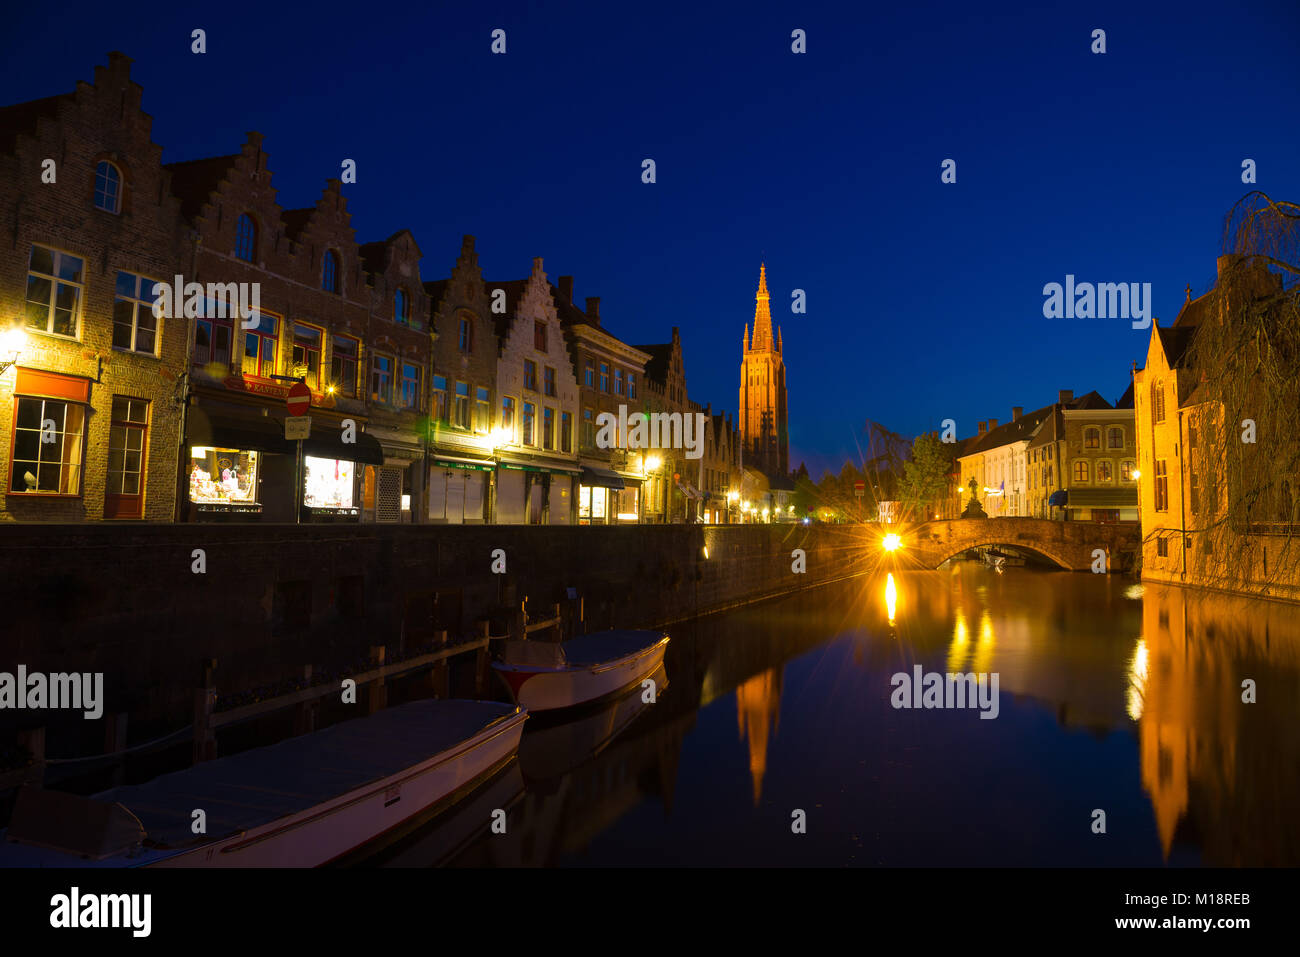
[1016, 412]
[993, 424]
[593, 310]
[1064, 396]
[984, 427]
[566, 288]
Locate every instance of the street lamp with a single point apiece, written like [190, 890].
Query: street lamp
[12, 341]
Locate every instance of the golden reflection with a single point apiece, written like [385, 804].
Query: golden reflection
[1137, 679]
[957, 650]
[984, 644]
[758, 711]
[891, 597]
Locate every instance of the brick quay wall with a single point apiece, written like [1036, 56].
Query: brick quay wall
[126, 600]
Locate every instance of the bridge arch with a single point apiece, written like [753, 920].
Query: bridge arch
[949, 551]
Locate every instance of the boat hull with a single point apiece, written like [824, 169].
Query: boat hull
[540, 688]
[330, 830]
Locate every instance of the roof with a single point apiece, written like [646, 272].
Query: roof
[514, 290]
[295, 220]
[1126, 400]
[23, 117]
[660, 356]
[193, 181]
[1175, 341]
[1018, 430]
[373, 256]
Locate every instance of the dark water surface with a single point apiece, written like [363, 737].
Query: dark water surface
[1113, 696]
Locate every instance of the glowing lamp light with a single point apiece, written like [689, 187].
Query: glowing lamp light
[733, 497]
[500, 437]
[653, 462]
[1137, 474]
[891, 542]
[12, 341]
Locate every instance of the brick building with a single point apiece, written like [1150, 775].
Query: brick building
[462, 470]
[94, 398]
[669, 494]
[610, 373]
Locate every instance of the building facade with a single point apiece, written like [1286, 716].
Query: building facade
[93, 381]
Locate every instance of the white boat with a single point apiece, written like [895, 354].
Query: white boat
[299, 803]
[544, 675]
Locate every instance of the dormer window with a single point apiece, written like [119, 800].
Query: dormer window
[245, 238]
[108, 188]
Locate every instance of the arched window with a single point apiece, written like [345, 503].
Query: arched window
[1115, 437]
[245, 237]
[330, 272]
[1092, 437]
[1080, 470]
[401, 308]
[108, 188]
[1104, 470]
[1126, 470]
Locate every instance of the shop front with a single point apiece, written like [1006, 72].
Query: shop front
[532, 493]
[459, 489]
[239, 466]
[607, 498]
[333, 460]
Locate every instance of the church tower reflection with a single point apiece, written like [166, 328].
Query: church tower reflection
[758, 712]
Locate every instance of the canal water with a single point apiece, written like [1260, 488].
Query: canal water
[1113, 697]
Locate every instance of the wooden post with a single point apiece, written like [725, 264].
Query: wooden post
[115, 740]
[482, 660]
[205, 698]
[304, 718]
[378, 695]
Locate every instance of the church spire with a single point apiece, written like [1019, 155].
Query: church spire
[744, 343]
[762, 314]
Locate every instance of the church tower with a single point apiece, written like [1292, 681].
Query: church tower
[764, 429]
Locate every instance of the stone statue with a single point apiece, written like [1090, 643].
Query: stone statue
[973, 508]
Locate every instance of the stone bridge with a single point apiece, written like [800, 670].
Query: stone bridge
[1069, 545]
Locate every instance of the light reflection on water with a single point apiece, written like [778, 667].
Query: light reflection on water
[1111, 697]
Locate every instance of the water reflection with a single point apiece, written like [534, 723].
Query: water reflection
[1115, 696]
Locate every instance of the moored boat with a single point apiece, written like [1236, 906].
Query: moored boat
[299, 803]
[545, 676]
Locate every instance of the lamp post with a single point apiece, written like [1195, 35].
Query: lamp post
[12, 341]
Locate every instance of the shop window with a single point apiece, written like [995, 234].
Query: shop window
[381, 380]
[528, 424]
[135, 327]
[54, 286]
[260, 344]
[343, 365]
[306, 353]
[483, 410]
[530, 375]
[108, 188]
[48, 447]
[223, 476]
[127, 441]
[462, 405]
[329, 483]
[410, 386]
[548, 381]
[440, 398]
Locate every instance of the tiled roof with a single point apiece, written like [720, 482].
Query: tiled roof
[194, 181]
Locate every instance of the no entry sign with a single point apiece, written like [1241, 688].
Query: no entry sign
[299, 399]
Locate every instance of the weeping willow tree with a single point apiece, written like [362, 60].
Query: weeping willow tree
[1241, 418]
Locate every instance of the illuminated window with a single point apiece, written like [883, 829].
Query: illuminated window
[527, 424]
[260, 345]
[1115, 437]
[1092, 438]
[343, 365]
[1080, 470]
[306, 353]
[54, 284]
[47, 448]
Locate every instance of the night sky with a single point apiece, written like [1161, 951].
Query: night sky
[924, 299]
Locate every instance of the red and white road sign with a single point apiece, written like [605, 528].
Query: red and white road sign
[298, 400]
[859, 488]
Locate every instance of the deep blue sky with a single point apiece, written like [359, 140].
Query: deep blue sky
[924, 299]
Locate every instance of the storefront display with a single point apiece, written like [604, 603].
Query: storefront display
[329, 487]
[223, 480]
